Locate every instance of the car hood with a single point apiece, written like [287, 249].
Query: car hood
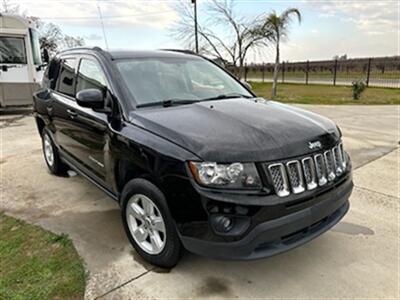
[239, 129]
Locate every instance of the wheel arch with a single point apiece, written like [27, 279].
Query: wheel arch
[40, 123]
[182, 200]
[125, 171]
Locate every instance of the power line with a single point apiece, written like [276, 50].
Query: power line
[107, 17]
[89, 1]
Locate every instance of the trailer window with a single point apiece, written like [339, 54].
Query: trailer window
[37, 58]
[12, 50]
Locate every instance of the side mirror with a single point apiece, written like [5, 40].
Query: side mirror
[91, 98]
[246, 84]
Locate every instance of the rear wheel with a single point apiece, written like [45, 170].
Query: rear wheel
[51, 155]
[149, 225]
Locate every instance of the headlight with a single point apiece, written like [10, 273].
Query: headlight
[232, 176]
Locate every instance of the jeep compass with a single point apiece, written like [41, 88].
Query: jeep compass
[193, 157]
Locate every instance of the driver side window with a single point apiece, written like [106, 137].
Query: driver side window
[90, 76]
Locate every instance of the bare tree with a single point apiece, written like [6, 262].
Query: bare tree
[276, 28]
[71, 41]
[53, 39]
[8, 7]
[238, 38]
[51, 36]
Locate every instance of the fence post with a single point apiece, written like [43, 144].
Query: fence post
[245, 72]
[283, 72]
[307, 70]
[334, 72]
[368, 71]
[263, 72]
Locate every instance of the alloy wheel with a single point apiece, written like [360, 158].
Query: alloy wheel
[48, 150]
[146, 224]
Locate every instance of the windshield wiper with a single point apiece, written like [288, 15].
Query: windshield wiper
[169, 102]
[227, 96]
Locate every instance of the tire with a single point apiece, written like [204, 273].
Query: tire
[51, 155]
[144, 229]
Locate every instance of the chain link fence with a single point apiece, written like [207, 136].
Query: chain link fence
[376, 72]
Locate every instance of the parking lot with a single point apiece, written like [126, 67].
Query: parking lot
[358, 258]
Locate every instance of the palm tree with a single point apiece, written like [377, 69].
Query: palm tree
[275, 28]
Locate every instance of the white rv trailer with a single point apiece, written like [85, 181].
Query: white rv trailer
[21, 67]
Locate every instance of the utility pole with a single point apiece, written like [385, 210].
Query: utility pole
[194, 2]
[368, 70]
[335, 72]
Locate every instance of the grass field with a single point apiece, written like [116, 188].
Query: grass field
[325, 94]
[36, 264]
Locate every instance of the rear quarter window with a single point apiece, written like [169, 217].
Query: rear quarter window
[51, 74]
[66, 79]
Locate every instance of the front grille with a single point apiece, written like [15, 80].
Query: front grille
[297, 176]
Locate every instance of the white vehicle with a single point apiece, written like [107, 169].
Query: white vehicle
[21, 67]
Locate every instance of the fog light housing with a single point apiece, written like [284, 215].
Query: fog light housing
[222, 224]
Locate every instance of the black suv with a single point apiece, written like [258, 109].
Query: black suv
[192, 156]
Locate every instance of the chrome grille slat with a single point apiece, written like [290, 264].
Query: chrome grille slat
[330, 165]
[338, 161]
[279, 179]
[296, 176]
[309, 173]
[344, 163]
[321, 169]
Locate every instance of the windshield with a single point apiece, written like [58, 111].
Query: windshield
[154, 80]
[12, 50]
[37, 57]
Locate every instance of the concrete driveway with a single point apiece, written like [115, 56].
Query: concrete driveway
[358, 258]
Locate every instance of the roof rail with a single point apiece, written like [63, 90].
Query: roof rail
[181, 51]
[96, 48]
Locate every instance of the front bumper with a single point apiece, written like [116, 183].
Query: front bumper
[282, 233]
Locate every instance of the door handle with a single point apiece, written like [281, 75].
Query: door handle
[72, 113]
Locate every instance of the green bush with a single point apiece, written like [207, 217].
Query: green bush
[358, 87]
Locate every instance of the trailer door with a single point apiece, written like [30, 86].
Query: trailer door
[14, 72]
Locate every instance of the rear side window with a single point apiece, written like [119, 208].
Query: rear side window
[66, 82]
[51, 74]
[90, 76]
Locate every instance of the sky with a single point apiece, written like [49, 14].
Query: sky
[360, 28]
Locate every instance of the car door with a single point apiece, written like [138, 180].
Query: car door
[89, 135]
[62, 104]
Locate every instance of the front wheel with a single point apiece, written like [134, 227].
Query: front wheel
[149, 225]
[51, 155]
